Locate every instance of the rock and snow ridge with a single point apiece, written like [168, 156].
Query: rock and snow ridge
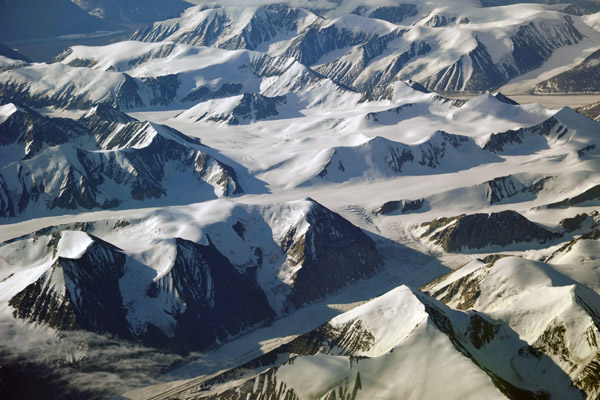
[100, 161]
[188, 293]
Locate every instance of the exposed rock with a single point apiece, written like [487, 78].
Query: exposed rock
[580, 79]
[591, 110]
[329, 255]
[591, 194]
[500, 142]
[61, 166]
[478, 231]
[403, 205]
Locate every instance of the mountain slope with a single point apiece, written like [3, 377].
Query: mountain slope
[549, 311]
[384, 340]
[479, 231]
[182, 289]
[104, 159]
[367, 46]
[380, 157]
[580, 79]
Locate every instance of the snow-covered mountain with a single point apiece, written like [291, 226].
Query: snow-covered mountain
[105, 158]
[549, 311]
[152, 244]
[243, 109]
[385, 340]
[451, 48]
[380, 157]
[186, 289]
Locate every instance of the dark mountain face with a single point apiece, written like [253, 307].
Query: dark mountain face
[332, 253]
[478, 231]
[217, 299]
[40, 19]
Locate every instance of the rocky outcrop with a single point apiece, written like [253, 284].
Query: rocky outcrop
[239, 110]
[590, 195]
[503, 141]
[479, 231]
[403, 206]
[580, 79]
[591, 110]
[380, 157]
[220, 300]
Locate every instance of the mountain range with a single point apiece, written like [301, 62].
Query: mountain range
[301, 200]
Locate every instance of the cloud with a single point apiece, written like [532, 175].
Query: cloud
[75, 364]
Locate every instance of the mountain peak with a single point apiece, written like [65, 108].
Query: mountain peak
[108, 114]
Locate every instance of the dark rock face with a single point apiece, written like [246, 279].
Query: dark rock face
[395, 14]
[125, 93]
[533, 44]
[573, 224]
[34, 132]
[221, 301]
[264, 25]
[485, 74]
[385, 157]
[344, 72]
[436, 21]
[204, 93]
[251, 107]
[404, 206]
[591, 194]
[507, 100]
[79, 293]
[332, 252]
[202, 298]
[254, 107]
[308, 47]
[477, 231]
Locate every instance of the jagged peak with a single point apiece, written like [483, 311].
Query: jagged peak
[108, 114]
